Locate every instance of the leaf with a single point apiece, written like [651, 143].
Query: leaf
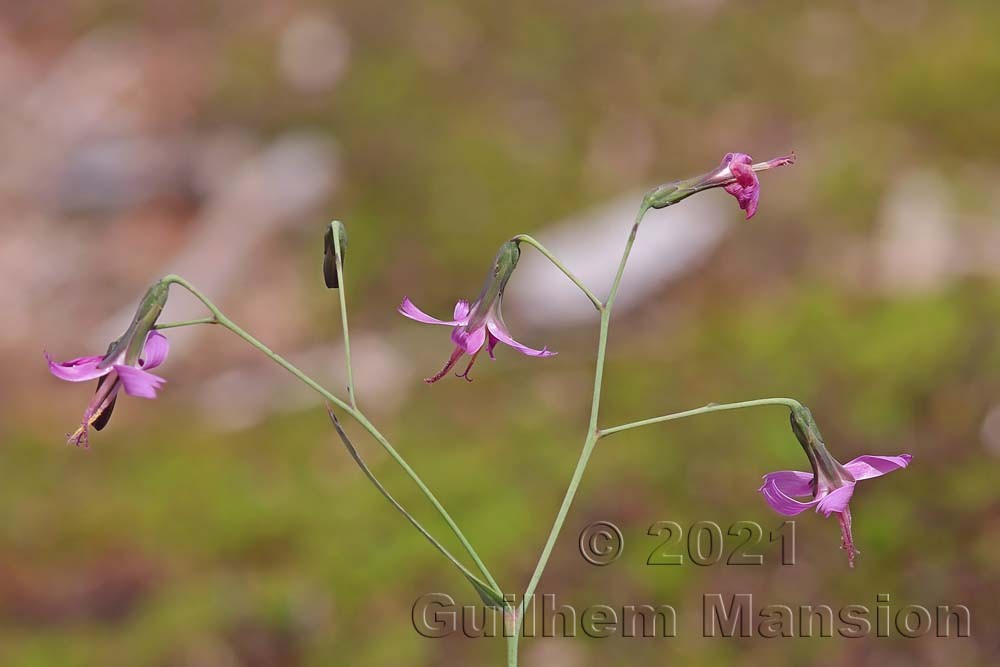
[489, 596]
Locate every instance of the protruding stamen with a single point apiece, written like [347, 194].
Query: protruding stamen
[455, 356]
[776, 162]
[99, 410]
[847, 539]
[465, 373]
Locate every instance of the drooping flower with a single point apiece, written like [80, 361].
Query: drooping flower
[737, 174]
[125, 365]
[480, 324]
[830, 486]
[112, 375]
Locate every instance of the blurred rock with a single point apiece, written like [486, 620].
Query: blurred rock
[242, 397]
[671, 243]
[102, 176]
[918, 241]
[271, 191]
[314, 52]
[990, 431]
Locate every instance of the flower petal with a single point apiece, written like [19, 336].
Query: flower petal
[836, 501]
[461, 310]
[137, 382]
[80, 369]
[868, 466]
[407, 309]
[778, 485]
[498, 330]
[791, 482]
[491, 343]
[470, 341]
[746, 189]
[740, 165]
[154, 352]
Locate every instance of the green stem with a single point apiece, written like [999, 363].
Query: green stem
[224, 321]
[343, 319]
[185, 323]
[559, 265]
[592, 433]
[356, 455]
[790, 403]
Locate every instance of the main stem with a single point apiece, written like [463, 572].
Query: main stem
[224, 321]
[588, 445]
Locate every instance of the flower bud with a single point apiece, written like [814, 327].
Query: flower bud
[669, 193]
[330, 258]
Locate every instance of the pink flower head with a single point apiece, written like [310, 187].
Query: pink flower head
[113, 373]
[480, 324]
[830, 486]
[736, 174]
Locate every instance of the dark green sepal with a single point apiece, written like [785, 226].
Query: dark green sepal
[330, 253]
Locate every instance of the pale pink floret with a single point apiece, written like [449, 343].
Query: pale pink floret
[781, 490]
[112, 376]
[489, 330]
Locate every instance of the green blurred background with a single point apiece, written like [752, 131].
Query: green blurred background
[225, 525]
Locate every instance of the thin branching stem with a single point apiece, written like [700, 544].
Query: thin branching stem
[790, 403]
[185, 323]
[524, 238]
[220, 318]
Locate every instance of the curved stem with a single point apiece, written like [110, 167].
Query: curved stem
[592, 433]
[353, 451]
[559, 265]
[224, 321]
[185, 323]
[343, 318]
[790, 403]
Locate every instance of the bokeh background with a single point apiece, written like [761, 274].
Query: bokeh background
[224, 524]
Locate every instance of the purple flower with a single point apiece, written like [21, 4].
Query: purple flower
[480, 324]
[829, 496]
[830, 486]
[736, 174]
[113, 374]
